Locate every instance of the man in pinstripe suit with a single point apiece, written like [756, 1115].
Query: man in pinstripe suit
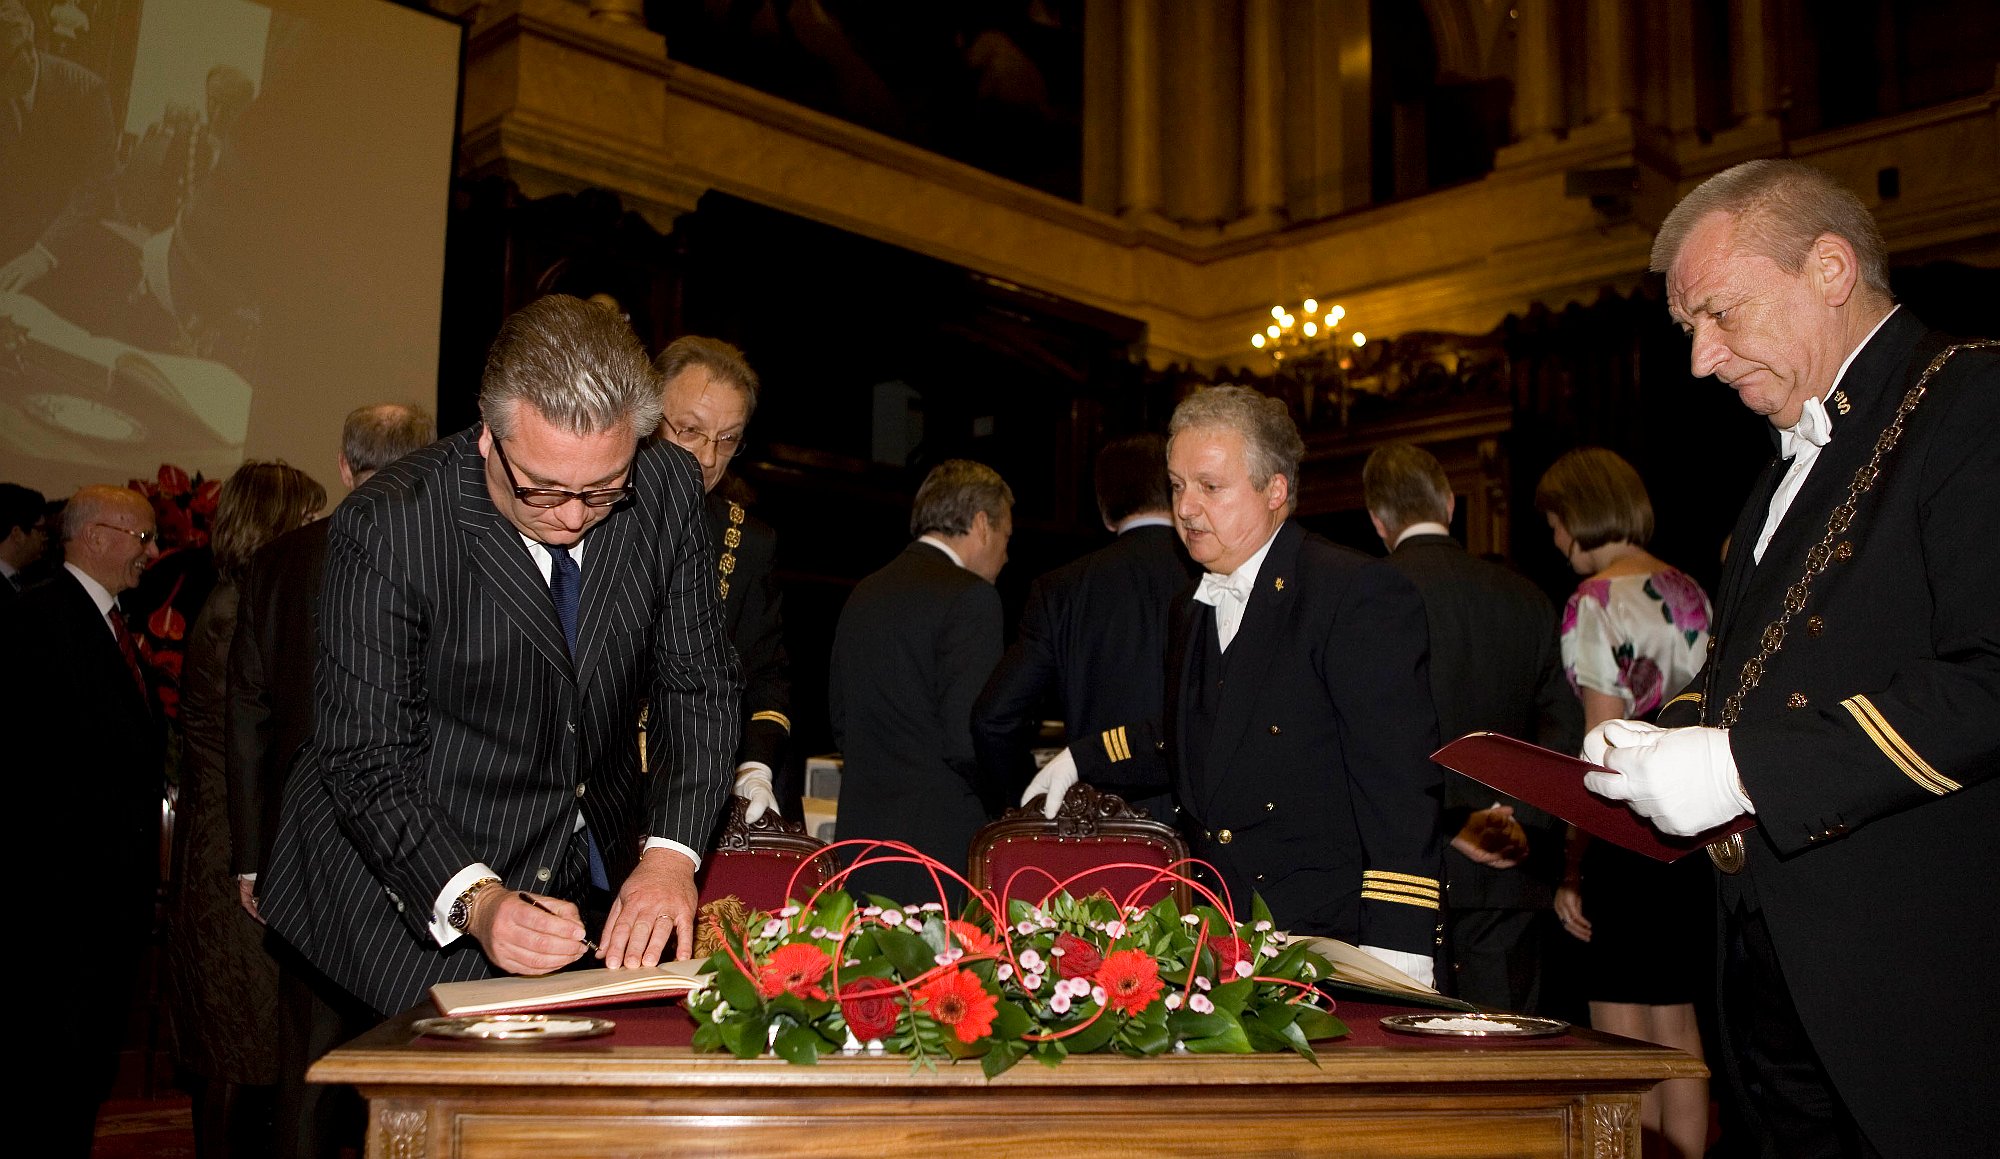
[494, 608]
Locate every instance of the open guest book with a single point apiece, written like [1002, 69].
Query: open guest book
[1553, 783]
[567, 991]
[1356, 973]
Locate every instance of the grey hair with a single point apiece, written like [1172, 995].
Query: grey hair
[375, 436]
[721, 359]
[954, 492]
[1270, 437]
[1403, 485]
[1781, 208]
[92, 503]
[578, 365]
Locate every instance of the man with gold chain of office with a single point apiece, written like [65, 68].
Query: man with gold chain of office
[1851, 700]
[709, 393]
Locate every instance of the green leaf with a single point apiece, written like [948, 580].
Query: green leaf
[1145, 1037]
[1010, 1022]
[1188, 1024]
[1094, 1036]
[1018, 911]
[906, 952]
[832, 910]
[1259, 912]
[1261, 1039]
[746, 1035]
[708, 1036]
[1002, 1058]
[1232, 996]
[1317, 1025]
[799, 1046]
[1229, 1040]
[737, 990]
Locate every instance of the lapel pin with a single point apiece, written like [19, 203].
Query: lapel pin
[1279, 583]
[1840, 402]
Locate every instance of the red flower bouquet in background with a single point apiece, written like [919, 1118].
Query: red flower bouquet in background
[176, 585]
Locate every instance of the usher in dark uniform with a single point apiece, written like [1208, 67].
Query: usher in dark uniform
[1868, 737]
[1301, 755]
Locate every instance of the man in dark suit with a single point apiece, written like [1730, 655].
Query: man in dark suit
[708, 396]
[1298, 723]
[58, 145]
[1094, 633]
[90, 757]
[1496, 666]
[915, 643]
[495, 606]
[22, 537]
[270, 718]
[1851, 700]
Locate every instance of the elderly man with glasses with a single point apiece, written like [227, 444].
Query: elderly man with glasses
[495, 608]
[88, 759]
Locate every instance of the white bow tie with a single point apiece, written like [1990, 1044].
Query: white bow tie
[1215, 588]
[1813, 427]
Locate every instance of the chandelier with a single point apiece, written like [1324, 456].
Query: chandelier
[1307, 333]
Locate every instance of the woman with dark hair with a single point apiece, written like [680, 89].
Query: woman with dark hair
[221, 985]
[1634, 633]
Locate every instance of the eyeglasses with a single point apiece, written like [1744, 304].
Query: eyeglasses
[694, 440]
[144, 537]
[546, 497]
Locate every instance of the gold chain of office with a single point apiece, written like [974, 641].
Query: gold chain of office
[732, 538]
[1728, 853]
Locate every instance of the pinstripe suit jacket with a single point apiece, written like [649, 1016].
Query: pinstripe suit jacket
[453, 726]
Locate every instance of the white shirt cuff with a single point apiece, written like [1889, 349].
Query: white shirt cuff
[1417, 966]
[677, 847]
[441, 908]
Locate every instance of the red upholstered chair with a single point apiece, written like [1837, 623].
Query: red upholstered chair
[1094, 828]
[753, 863]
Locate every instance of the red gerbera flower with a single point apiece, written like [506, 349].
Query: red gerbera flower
[971, 939]
[1131, 981]
[794, 969]
[959, 1001]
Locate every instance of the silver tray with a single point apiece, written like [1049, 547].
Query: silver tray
[514, 1027]
[1490, 1025]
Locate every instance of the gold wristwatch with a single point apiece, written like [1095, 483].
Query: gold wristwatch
[461, 910]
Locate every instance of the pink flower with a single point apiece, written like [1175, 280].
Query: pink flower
[1686, 606]
[1642, 678]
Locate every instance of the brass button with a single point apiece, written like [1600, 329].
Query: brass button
[1207, 835]
[1815, 625]
[1275, 730]
[1844, 550]
[579, 791]
[1160, 746]
[1796, 700]
[1260, 877]
[1270, 805]
[1225, 837]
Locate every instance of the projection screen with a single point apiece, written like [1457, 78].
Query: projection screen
[221, 228]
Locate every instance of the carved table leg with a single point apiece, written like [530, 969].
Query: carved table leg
[1606, 1127]
[398, 1130]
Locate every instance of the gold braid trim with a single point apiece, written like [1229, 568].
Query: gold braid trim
[1896, 748]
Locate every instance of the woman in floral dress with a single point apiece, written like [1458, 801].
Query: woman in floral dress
[1633, 635]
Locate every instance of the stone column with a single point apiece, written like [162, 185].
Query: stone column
[1263, 112]
[619, 11]
[1753, 76]
[1139, 129]
[1537, 68]
[1611, 59]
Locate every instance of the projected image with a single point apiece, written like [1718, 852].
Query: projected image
[200, 201]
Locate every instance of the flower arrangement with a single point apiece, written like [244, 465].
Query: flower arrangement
[1071, 975]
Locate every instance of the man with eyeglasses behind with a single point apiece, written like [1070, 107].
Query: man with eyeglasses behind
[709, 394]
[89, 763]
[494, 608]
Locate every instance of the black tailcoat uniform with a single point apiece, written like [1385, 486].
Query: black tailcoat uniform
[454, 727]
[915, 644]
[1301, 756]
[1870, 742]
[753, 614]
[1496, 665]
[1095, 633]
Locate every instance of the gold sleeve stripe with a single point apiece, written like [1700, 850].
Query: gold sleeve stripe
[1115, 745]
[1382, 875]
[1400, 899]
[1694, 696]
[1895, 747]
[1415, 891]
[775, 717]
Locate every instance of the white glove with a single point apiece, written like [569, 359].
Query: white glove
[1683, 780]
[1052, 782]
[1417, 966]
[753, 784]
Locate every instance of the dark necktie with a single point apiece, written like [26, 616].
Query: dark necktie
[565, 586]
[127, 648]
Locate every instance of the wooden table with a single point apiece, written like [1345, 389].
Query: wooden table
[642, 1091]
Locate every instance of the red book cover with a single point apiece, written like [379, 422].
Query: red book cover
[1553, 783]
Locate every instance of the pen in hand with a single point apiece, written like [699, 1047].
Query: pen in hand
[530, 899]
